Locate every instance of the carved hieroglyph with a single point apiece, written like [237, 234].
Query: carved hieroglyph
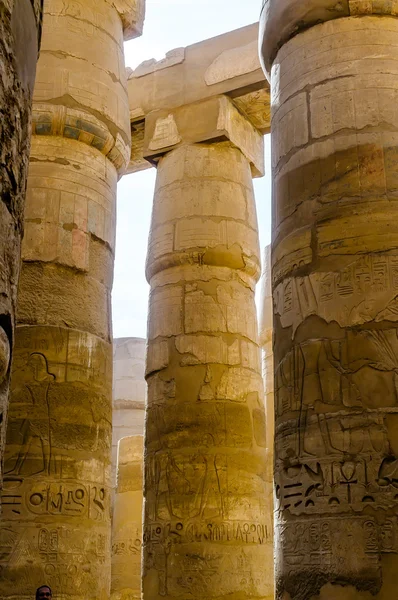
[207, 525]
[20, 30]
[127, 521]
[129, 392]
[56, 522]
[56, 509]
[335, 283]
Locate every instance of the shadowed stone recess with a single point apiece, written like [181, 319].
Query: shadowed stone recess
[20, 29]
[335, 289]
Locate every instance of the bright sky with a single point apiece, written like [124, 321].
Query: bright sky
[169, 24]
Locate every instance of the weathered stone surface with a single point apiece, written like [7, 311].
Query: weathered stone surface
[127, 521]
[129, 392]
[265, 340]
[207, 525]
[56, 513]
[56, 526]
[20, 31]
[282, 20]
[334, 124]
[166, 130]
[132, 13]
[223, 68]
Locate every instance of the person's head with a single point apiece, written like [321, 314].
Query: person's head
[43, 593]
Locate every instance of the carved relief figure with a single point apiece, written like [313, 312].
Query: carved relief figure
[34, 400]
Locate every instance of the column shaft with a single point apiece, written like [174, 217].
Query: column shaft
[335, 285]
[129, 392]
[206, 523]
[56, 529]
[127, 521]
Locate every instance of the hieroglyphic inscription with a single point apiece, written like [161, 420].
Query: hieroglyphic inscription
[199, 531]
[325, 543]
[336, 402]
[127, 547]
[332, 399]
[60, 554]
[67, 499]
[365, 289]
[56, 513]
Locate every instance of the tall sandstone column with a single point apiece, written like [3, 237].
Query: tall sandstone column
[333, 70]
[199, 115]
[127, 520]
[20, 31]
[56, 522]
[206, 522]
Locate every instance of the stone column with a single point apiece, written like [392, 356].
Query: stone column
[206, 521]
[129, 392]
[20, 31]
[56, 524]
[265, 339]
[333, 69]
[127, 521]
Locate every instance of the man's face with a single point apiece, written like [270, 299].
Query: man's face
[45, 593]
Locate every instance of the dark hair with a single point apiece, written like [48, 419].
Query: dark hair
[42, 588]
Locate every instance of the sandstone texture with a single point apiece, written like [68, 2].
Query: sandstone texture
[333, 73]
[207, 525]
[56, 518]
[20, 31]
[163, 94]
[199, 115]
[127, 521]
[129, 392]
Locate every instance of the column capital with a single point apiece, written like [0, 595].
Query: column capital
[213, 120]
[191, 80]
[283, 19]
[132, 13]
[76, 96]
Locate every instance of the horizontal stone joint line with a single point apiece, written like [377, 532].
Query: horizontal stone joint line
[303, 27]
[344, 131]
[239, 336]
[81, 20]
[179, 184]
[313, 86]
[213, 218]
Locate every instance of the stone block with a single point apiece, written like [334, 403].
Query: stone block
[209, 120]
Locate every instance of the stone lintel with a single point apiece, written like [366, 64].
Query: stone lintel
[132, 13]
[211, 120]
[224, 65]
